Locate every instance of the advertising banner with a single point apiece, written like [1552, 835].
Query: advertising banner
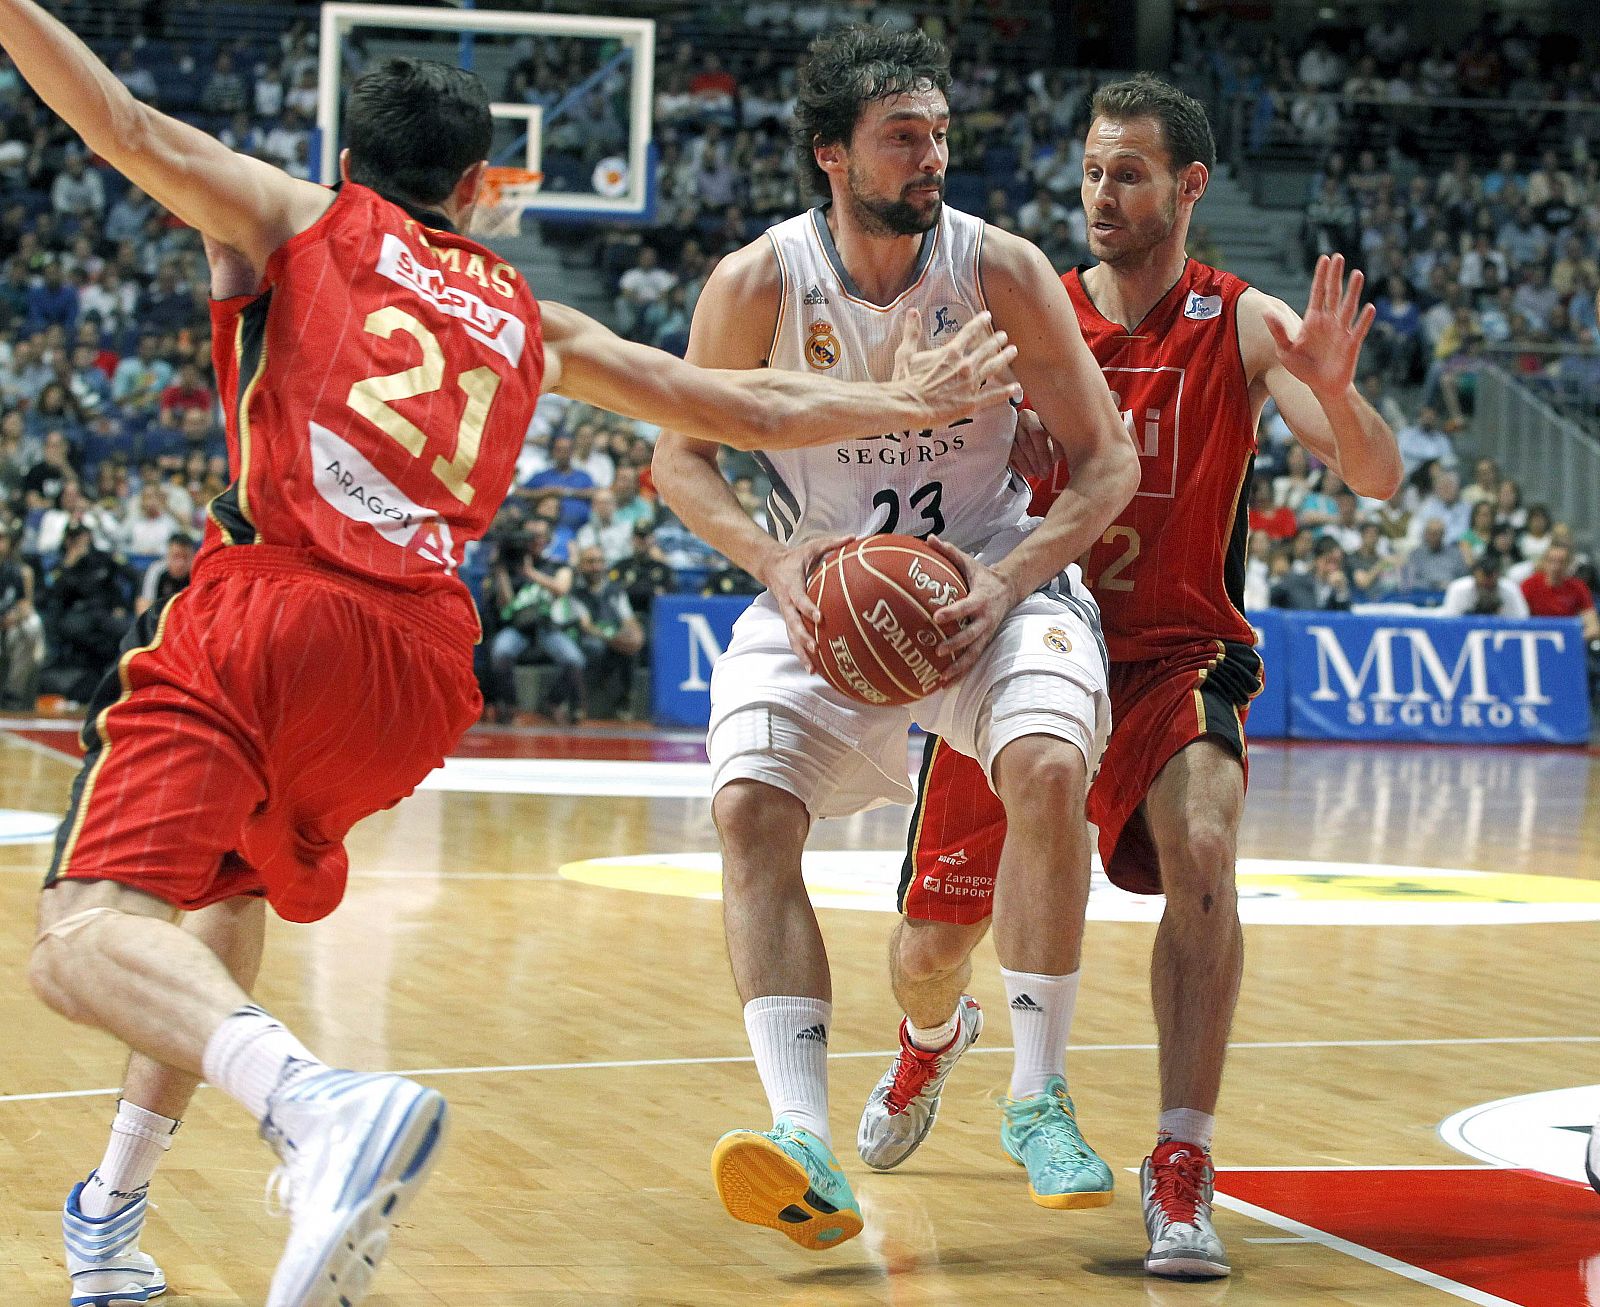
[1454, 680]
[1269, 710]
[687, 633]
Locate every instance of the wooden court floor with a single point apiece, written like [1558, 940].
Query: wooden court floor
[591, 1046]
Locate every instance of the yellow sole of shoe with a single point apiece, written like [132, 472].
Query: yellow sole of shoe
[757, 1182]
[1072, 1202]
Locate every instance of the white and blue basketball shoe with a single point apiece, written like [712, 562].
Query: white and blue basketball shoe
[103, 1256]
[355, 1150]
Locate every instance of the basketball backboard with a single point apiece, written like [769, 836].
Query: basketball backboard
[572, 96]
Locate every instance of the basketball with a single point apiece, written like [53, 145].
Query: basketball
[877, 642]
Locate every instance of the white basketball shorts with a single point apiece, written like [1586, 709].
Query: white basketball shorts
[1044, 673]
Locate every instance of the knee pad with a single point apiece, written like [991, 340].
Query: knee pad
[1043, 703]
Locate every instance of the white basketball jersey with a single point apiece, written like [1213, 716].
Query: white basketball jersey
[952, 481]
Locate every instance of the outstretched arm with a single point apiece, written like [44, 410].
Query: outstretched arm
[241, 202]
[766, 409]
[1308, 366]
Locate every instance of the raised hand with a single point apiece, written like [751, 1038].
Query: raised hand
[1323, 350]
[949, 378]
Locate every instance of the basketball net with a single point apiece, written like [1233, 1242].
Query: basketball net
[502, 197]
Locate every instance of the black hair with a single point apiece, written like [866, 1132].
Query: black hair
[413, 126]
[1184, 126]
[846, 70]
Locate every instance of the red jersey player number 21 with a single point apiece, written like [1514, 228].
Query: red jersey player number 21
[410, 425]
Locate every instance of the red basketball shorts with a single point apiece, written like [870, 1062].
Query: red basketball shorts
[275, 704]
[1158, 707]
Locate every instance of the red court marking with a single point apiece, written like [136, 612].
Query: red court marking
[64, 742]
[1521, 1236]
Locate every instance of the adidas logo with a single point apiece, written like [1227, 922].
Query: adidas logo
[817, 1034]
[1022, 1003]
[814, 296]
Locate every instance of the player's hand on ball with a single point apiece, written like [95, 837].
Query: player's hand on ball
[1033, 452]
[949, 379]
[1325, 348]
[969, 624]
[785, 579]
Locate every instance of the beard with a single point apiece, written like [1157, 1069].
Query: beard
[902, 216]
[1138, 240]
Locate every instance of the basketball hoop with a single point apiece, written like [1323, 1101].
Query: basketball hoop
[502, 197]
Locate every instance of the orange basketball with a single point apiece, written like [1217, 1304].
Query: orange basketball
[877, 641]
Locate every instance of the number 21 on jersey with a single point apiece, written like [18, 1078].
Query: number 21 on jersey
[373, 399]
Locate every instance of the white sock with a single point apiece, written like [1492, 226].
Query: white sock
[250, 1055]
[1041, 1019]
[934, 1039]
[789, 1036]
[139, 1140]
[1187, 1126]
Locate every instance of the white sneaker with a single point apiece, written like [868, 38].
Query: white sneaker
[103, 1256]
[1591, 1160]
[355, 1150]
[902, 1106]
[1177, 1181]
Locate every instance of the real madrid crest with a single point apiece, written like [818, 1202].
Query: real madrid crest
[1057, 639]
[822, 350]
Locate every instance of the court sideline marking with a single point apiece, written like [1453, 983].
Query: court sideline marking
[641, 1063]
[1384, 1262]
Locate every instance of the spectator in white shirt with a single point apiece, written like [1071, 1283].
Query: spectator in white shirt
[303, 98]
[268, 91]
[604, 530]
[1425, 441]
[588, 456]
[1484, 593]
[1444, 503]
[148, 525]
[641, 286]
[1320, 67]
[77, 191]
[77, 509]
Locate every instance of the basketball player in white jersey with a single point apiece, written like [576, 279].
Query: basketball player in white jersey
[1026, 696]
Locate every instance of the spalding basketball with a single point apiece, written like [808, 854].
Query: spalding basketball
[877, 641]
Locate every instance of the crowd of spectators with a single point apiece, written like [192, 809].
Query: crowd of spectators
[1455, 537]
[1477, 221]
[725, 167]
[111, 445]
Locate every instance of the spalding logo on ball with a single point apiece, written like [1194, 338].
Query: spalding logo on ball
[877, 642]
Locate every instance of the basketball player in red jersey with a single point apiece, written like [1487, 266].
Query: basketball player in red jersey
[1191, 354]
[381, 371]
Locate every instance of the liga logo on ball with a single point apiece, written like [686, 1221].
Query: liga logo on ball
[878, 641]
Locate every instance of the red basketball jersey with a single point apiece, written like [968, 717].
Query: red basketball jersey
[378, 389]
[1170, 570]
